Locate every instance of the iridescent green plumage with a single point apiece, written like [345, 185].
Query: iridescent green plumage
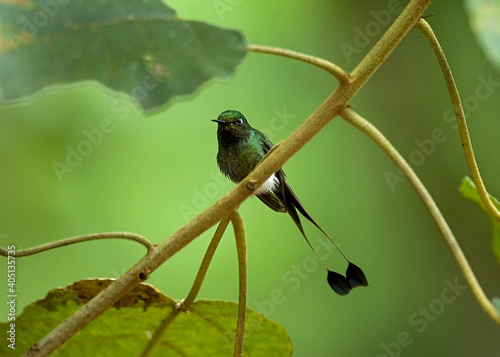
[241, 148]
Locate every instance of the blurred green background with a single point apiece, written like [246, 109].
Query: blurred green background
[150, 175]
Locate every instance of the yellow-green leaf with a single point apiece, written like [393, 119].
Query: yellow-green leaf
[469, 191]
[496, 303]
[207, 329]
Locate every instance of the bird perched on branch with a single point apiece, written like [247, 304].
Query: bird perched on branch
[241, 148]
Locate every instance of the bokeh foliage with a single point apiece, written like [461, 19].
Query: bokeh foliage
[150, 175]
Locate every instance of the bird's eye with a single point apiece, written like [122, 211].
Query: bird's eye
[239, 121]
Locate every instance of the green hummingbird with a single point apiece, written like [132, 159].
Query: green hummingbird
[241, 148]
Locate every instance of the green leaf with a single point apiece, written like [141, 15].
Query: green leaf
[207, 329]
[138, 47]
[496, 303]
[469, 191]
[484, 19]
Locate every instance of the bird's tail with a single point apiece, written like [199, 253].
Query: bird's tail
[292, 202]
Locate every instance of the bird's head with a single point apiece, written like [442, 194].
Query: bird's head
[232, 126]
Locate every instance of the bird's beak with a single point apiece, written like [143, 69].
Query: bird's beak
[218, 121]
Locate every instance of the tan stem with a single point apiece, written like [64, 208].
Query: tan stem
[241, 246]
[86, 238]
[373, 133]
[426, 30]
[330, 108]
[328, 66]
[185, 304]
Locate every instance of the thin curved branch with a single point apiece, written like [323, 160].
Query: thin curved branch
[185, 304]
[330, 108]
[241, 246]
[207, 259]
[328, 66]
[373, 133]
[426, 30]
[86, 238]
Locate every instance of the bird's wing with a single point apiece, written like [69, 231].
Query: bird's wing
[272, 201]
[266, 143]
[283, 199]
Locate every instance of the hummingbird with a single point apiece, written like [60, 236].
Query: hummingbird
[241, 148]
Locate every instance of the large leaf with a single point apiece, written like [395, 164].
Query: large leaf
[469, 191]
[208, 329]
[484, 19]
[138, 47]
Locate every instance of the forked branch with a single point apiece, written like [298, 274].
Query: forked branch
[373, 133]
[185, 304]
[158, 254]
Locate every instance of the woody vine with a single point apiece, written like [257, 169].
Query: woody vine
[225, 210]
